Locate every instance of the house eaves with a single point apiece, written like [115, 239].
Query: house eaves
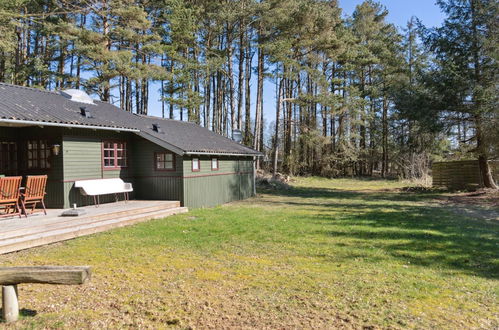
[14, 122]
[160, 142]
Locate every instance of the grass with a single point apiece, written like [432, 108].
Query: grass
[324, 253]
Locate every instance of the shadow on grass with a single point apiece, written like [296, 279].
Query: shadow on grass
[321, 193]
[426, 235]
[23, 313]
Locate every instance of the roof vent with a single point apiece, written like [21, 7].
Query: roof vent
[77, 95]
[85, 112]
[157, 128]
[237, 135]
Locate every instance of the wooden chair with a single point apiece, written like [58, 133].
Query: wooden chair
[9, 196]
[34, 193]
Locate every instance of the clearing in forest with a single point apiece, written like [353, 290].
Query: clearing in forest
[322, 253]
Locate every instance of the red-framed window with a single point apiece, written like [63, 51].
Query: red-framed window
[196, 165]
[164, 161]
[38, 152]
[214, 164]
[114, 154]
[8, 158]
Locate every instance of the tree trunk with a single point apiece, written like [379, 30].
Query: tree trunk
[240, 80]
[259, 95]
[277, 121]
[106, 83]
[384, 165]
[231, 79]
[247, 96]
[483, 163]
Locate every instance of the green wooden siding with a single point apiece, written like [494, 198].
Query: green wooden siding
[233, 181]
[150, 183]
[7, 133]
[82, 154]
[81, 158]
[20, 135]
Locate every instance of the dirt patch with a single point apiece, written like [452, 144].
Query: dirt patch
[480, 204]
[483, 197]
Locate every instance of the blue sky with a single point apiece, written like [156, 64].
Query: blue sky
[400, 11]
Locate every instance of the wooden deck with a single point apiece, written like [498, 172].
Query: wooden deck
[39, 229]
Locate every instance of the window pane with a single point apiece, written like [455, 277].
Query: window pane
[164, 161]
[114, 154]
[38, 153]
[195, 164]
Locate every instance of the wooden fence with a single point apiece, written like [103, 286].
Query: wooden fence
[461, 174]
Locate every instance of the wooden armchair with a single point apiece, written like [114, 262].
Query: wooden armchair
[34, 193]
[9, 196]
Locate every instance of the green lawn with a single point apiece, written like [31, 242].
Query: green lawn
[324, 253]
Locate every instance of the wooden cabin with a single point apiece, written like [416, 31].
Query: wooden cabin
[70, 137]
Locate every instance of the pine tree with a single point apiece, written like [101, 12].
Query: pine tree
[466, 68]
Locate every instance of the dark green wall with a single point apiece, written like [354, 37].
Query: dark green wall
[82, 154]
[8, 133]
[151, 183]
[55, 191]
[233, 181]
[81, 158]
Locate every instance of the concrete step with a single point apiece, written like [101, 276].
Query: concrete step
[66, 232]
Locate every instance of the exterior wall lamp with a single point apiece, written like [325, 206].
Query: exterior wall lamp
[56, 149]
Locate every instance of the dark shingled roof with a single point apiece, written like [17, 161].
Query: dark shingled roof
[30, 104]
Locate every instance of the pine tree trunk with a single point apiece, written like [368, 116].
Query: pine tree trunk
[106, 86]
[247, 96]
[483, 163]
[240, 80]
[230, 74]
[277, 122]
[384, 165]
[488, 180]
[259, 95]
[207, 100]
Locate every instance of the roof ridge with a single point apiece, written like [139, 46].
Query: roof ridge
[55, 92]
[165, 119]
[21, 103]
[29, 88]
[197, 125]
